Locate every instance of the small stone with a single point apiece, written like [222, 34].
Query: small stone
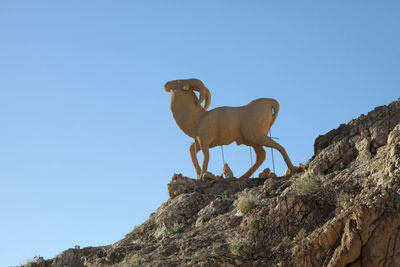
[265, 173]
[297, 207]
[227, 172]
[209, 175]
[238, 262]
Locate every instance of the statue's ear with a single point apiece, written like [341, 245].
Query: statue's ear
[186, 87]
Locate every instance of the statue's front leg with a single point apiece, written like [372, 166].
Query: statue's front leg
[206, 154]
[194, 148]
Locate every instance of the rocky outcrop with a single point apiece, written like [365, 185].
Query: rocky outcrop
[359, 139]
[210, 187]
[341, 209]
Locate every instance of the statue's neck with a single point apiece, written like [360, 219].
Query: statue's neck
[186, 114]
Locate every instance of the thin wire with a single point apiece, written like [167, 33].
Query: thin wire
[251, 160]
[223, 158]
[272, 153]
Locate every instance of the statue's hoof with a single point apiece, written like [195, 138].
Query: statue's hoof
[292, 171]
[207, 176]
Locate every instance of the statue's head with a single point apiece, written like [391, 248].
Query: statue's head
[186, 87]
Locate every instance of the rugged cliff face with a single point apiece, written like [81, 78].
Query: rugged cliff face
[341, 209]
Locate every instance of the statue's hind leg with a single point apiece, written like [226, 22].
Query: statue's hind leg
[260, 154]
[269, 142]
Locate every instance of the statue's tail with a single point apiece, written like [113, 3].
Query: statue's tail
[275, 110]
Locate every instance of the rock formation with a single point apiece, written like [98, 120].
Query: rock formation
[341, 209]
[227, 171]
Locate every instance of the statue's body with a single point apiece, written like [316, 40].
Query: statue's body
[247, 124]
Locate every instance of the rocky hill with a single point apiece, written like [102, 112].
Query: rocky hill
[341, 209]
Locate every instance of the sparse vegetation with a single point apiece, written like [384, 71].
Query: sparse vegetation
[249, 205]
[342, 165]
[241, 249]
[173, 231]
[369, 158]
[307, 165]
[306, 184]
[202, 255]
[35, 261]
[377, 166]
[224, 195]
[100, 253]
[254, 222]
[247, 201]
[341, 200]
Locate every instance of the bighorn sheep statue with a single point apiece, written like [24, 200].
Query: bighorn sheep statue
[247, 124]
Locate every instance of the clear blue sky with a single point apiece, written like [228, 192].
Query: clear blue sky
[88, 143]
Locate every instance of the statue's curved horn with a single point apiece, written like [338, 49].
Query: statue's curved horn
[198, 85]
[167, 87]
